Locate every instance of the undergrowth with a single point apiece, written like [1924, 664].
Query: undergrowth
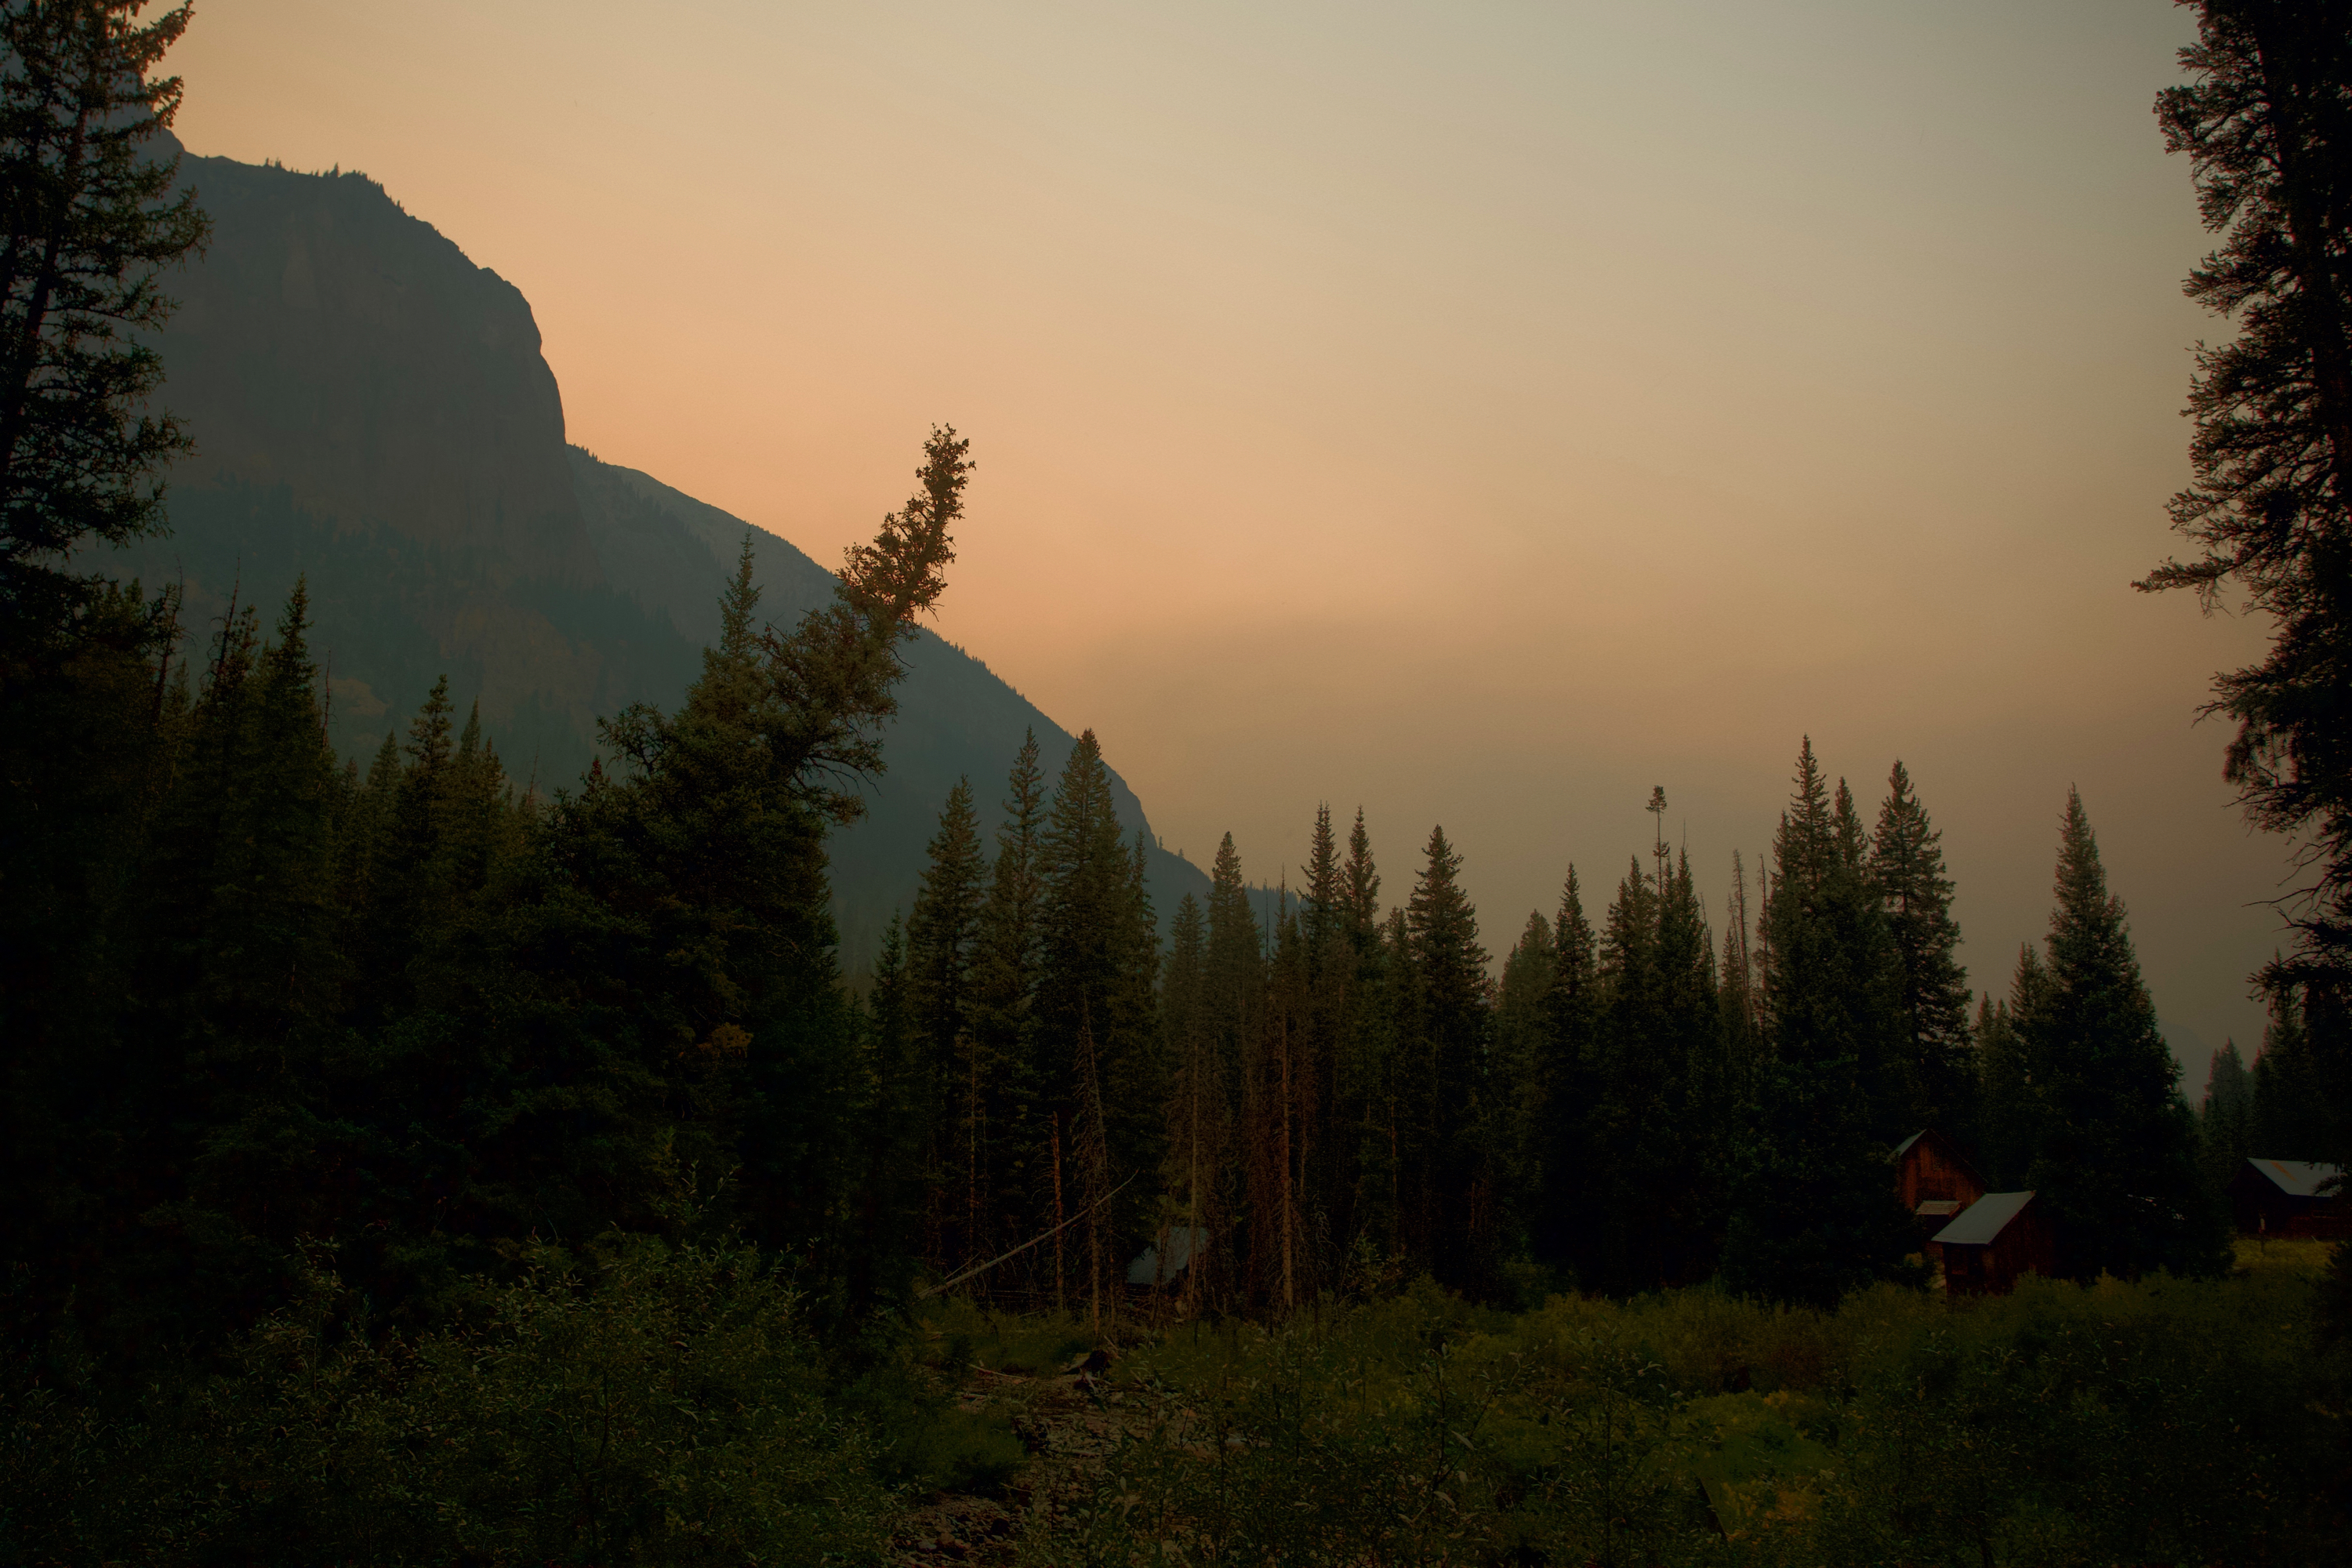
[2163, 1421]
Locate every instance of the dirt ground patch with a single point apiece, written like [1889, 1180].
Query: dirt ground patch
[1066, 1422]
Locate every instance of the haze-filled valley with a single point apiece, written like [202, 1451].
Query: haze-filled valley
[585, 978]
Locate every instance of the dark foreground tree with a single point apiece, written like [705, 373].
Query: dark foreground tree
[89, 222]
[2266, 120]
[2116, 1161]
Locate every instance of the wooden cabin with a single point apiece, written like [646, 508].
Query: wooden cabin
[1934, 1180]
[2290, 1197]
[2000, 1236]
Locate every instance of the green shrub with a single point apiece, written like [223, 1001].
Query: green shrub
[660, 1405]
[2162, 1421]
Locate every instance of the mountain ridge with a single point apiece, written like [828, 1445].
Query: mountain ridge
[373, 414]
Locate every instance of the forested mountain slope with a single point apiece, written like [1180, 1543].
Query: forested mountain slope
[373, 412]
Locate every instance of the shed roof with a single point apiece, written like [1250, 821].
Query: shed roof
[1905, 1147]
[2296, 1178]
[1985, 1220]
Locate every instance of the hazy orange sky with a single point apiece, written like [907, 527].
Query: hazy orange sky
[1478, 412]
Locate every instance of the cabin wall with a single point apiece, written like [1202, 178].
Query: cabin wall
[1931, 1172]
[2026, 1246]
[2258, 1208]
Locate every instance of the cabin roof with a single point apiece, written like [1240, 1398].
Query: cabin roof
[2296, 1178]
[1985, 1220]
[1950, 1150]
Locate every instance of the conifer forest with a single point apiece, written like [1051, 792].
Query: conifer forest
[412, 1158]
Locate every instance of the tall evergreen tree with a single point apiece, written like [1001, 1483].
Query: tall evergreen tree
[1233, 991]
[1518, 1111]
[2266, 120]
[2115, 1167]
[1656, 1119]
[1566, 1230]
[2295, 1113]
[91, 221]
[1934, 1081]
[1199, 1138]
[1329, 955]
[1007, 1138]
[2225, 1118]
[1815, 1214]
[1278, 1097]
[1451, 1213]
[1363, 1047]
[1698, 1085]
[2009, 1119]
[943, 934]
[890, 1098]
[232, 987]
[1740, 993]
[1361, 880]
[1095, 1046]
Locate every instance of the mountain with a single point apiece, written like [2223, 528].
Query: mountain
[373, 414]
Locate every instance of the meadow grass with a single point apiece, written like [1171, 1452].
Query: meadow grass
[2162, 1420]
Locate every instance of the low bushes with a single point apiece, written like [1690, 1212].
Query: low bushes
[657, 1404]
[2165, 1421]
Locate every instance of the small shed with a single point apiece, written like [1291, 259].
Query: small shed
[1163, 1264]
[2290, 1197]
[1934, 1180]
[2000, 1236]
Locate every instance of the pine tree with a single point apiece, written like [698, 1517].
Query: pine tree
[1655, 1122]
[1198, 1135]
[1095, 1049]
[890, 1097]
[2115, 1167]
[1278, 1090]
[1451, 1215]
[2293, 1112]
[1518, 1110]
[1329, 955]
[2265, 124]
[1140, 1069]
[235, 978]
[2225, 1118]
[1815, 1214]
[1566, 1230]
[92, 222]
[2009, 1119]
[87, 721]
[943, 933]
[1385, 1087]
[1004, 1125]
[1934, 1081]
[1362, 881]
[1740, 993]
[675, 927]
[1363, 1049]
[1232, 997]
[1696, 1160]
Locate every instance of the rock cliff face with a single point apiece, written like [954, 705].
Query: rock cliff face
[331, 343]
[373, 415]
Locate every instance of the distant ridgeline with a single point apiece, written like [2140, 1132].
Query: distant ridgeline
[372, 411]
